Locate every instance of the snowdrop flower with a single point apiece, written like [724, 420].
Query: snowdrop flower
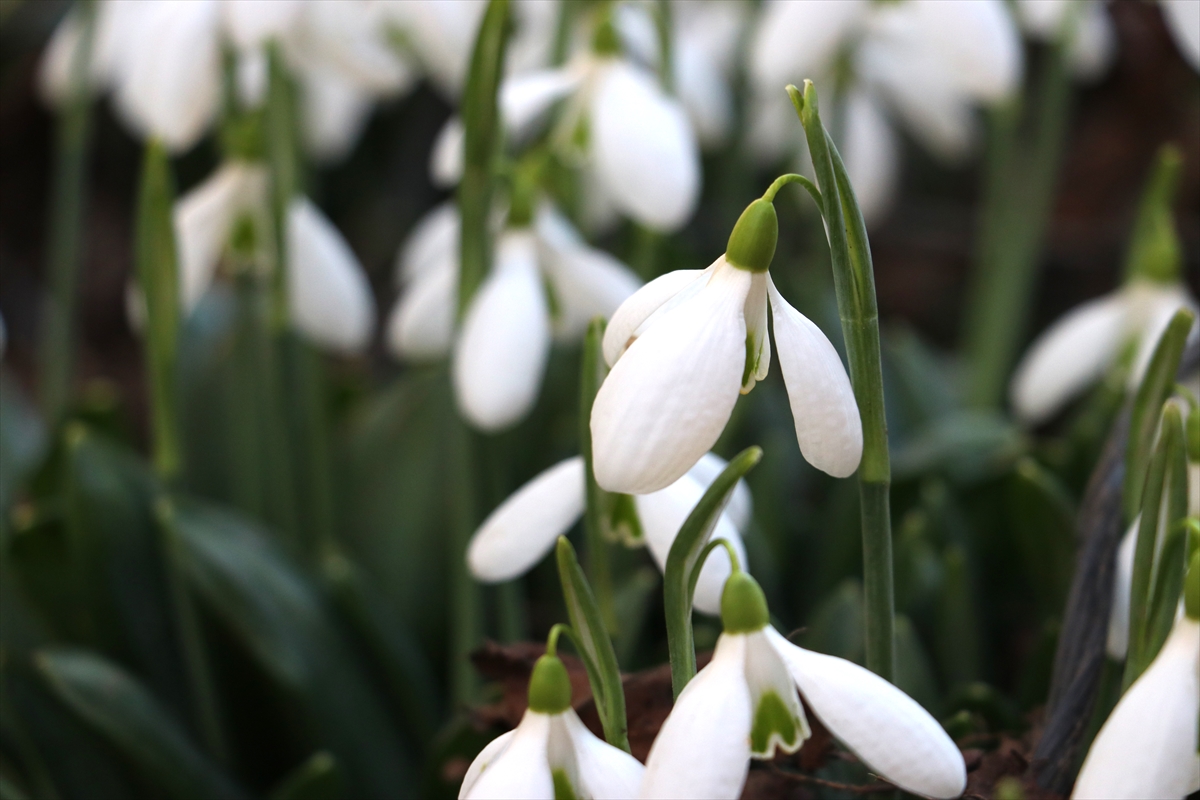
[328, 293]
[1077, 349]
[1148, 747]
[550, 754]
[744, 704]
[641, 149]
[685, 345]
[927, 62]
[1085, 26]
[524, 528]
[163, 61]
[500, 350]
[1183, 21]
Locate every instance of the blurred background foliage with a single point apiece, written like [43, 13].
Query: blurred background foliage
[203, 645]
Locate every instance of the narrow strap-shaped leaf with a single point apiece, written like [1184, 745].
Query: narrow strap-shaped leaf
[592, 371]
[120, 709]
[1164, 503]
[685, 552]
[1154, 390]
[481, 121]
[318, 778]
[1043, 521]
[158, 274]
[282, 156]
[603, 672]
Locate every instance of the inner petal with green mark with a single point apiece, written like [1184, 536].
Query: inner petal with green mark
[563, 790]
[774, 725]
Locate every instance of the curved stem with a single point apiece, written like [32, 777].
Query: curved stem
[708, 548]
[784, 180]
[552, 638]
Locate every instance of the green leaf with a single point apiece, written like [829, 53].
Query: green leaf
[481, 122]
[22, 442]
[600, 504]
[603, 671]
[685, 551]
[1042, 521]
[1154, 390]
[965, 446]
[318, 778]
[123, 712]
[1154, 248]
[283, 622]
[958, 629]
[914, 670]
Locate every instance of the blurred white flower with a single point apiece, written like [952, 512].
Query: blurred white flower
[523, 529]
[1148, 746]
[681, 350]
[929, 62]
[162, 59]
[329, 296]
[1085, 26]
[1077, 349]
[1183, 21]
[550, 754]
[745, 703]
[501, 349]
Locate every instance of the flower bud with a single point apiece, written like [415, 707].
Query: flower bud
[549, 686]
[1154, 250]
[743, 605]
[752, 243]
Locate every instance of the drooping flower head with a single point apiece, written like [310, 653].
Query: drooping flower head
[686, 344]
[746, 703]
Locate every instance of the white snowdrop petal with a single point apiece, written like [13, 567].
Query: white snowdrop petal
[1147, 748]
[171, 79]
[663, 513]
[630, 315]
[828, 426]
[703, 747]
[605, 772]
[645, 152]
[203, 219]
[588, 283]
[443, 35]
[871, 153]
[758, 340]
[504, 342]
[251, 23]
[432, 241]
[525, 98]
[334, 112]
[667, 399]
[704, 91]
[740, 507]
[521, 771]
[490, 752]
[446, 160]
[349, 38]
[1117, 643]
[1183, 21]
[1069, 355]
[767, 674]
[822, 25]
[421, 325]
[883, 726]
[328, 292]
[525, 527]
[1095, 42]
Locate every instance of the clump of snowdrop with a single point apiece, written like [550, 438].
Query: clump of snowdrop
[329, 297]
[545, 282]
[550, 754]
[523, 529]
[687, 343]
[1149, 747]
[928, 63]
[163, 61]
[746, 704]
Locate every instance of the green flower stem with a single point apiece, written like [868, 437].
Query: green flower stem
[72, 139]
[310, 431]
[854, 282]
[592, 373]
[685, 555]
[663, 27]
[157, 272]
[481, 145]
[734, 563]
[282, 158]
[1021, 175]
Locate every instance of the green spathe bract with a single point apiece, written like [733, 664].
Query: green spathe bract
[772, 717]
[549, 686]
[743, 605]
[752, 243]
